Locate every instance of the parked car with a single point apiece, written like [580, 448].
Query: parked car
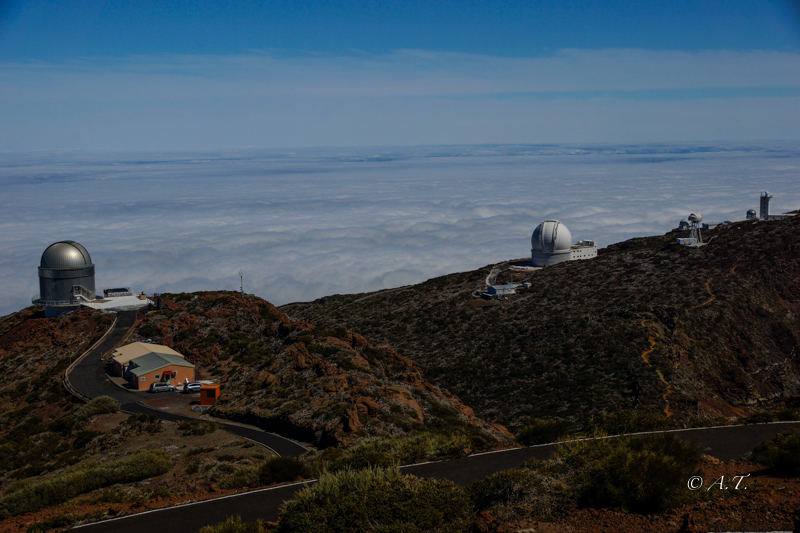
[194, 386]
[162, 387]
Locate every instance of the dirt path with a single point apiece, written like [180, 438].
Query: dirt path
[708, 288]
[646, 358]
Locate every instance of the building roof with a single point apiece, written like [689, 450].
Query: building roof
[65, 254]
[154, 361]
[124, 354]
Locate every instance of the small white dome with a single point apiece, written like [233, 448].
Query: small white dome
[695, 217]
[551, 236]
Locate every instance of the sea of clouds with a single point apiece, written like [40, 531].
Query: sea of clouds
[305, 223]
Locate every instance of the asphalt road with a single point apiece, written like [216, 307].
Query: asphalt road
[726, 443]
[89, 378]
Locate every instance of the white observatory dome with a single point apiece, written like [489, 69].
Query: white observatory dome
[551, 236]
[695, 217]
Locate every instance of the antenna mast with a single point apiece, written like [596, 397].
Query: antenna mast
[241, 283]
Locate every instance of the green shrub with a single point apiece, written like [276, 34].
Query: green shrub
[642, 474]
[235, 525]
[387, 452]
[193, 467]
[781, 452]
[282, 469]
[141, 423]
[789, 414]
[522, 493]
[35, 496]
[377, 499]
[99, 406]
[197, 427]
[244, 476]
[83, 438]
[197, 451]
[542, 432]
[630, 421]
[760, 418]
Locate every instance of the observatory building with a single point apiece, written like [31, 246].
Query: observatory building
[551, 243]
[66, 277]
[66, 282]
[687, 224]
[765, 214]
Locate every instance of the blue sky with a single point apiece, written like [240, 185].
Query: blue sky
[47, 30]
[178, 75]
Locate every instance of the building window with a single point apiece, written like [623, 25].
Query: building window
[142, 379]
[157, 376]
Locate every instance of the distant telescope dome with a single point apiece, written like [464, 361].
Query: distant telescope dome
[551, 236]
[695, 217]
[751, 214]
[684, 223]
[65, 254]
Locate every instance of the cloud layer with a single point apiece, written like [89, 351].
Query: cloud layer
[306, 223]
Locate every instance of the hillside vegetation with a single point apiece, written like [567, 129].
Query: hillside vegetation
[647, 325]
[327, 386]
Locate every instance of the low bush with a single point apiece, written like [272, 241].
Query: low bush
[386, 452]
[642, 474]
[781, 452]
[99, 406]
[84, 437]
[282, 469]
[522, 493]
[377, 499]
[244, 476]
[789, 414]
[141, 423]
[197, 427]
[630, 421]
[235, 525]
[760, 418]
[542, 432]
[197, 451]
[35, 496]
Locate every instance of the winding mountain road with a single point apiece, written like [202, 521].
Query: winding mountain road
[89, 378]
[726, 443]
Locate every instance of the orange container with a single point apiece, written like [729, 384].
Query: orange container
[209, 394]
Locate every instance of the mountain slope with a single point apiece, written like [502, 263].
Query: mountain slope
[648, 324]
[326, 386]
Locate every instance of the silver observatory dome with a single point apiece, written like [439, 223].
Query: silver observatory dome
[551, 236]
[66, 278]
[65, 254]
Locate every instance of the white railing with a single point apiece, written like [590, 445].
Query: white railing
[53, 303]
